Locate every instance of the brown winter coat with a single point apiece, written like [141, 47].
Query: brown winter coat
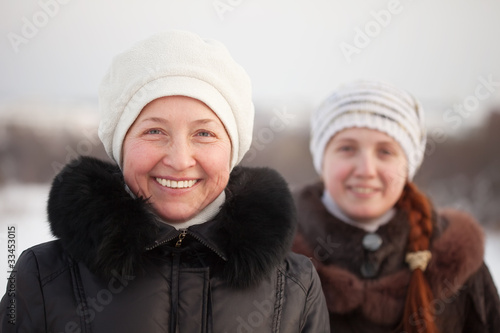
[466, 299]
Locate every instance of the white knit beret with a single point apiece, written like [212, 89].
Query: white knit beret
[375, 105]
[175, 63]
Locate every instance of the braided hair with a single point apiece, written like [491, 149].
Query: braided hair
[417, 316]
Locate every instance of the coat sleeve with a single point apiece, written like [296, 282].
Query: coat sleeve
[21, 308]
[484, 314]
[316, 318]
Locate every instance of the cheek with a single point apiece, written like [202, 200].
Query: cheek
[395, 177]
[135, 164]
[217, 157]
[334, 174]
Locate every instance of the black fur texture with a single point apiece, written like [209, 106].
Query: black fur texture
[101, 225]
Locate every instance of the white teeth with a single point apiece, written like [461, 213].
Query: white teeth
[363, 190]
[176, 184]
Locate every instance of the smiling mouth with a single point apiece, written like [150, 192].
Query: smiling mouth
[176, 184]
[363, 190]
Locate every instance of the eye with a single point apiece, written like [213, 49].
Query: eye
[387, 152]
[346, 148]
[153, 131]
[205, 134]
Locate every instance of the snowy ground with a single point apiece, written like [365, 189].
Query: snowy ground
[23, 206]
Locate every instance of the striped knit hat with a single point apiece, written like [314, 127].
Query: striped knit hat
[374, 105]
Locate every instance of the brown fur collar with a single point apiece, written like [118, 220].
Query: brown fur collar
[457, 252]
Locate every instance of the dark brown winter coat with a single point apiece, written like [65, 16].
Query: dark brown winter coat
[466, 299]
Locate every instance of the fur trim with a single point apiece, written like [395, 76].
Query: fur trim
[345, 292]
[457, 253]
[98, 222]
[101, 225]
[257, 225]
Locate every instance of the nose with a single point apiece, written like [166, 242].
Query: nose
[179, 155]
[365, 166]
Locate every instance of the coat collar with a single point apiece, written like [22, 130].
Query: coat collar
[457, 247]
[101, 225]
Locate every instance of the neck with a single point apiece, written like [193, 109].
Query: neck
[367, 225]
[205, 215]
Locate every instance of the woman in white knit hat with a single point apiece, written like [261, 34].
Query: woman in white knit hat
[173, 236]
[388, 262]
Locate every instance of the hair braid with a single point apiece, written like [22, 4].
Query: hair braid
[417, 316]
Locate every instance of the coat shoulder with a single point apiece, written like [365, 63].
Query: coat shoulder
[300, 270]
[46, 260]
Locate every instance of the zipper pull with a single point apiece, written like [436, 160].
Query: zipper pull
[182, 235]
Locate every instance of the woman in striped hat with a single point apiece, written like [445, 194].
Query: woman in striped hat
[388, 261]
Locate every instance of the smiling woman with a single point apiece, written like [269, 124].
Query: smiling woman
[388, 261]
[174, 237]
[360, 166]
[177, 153]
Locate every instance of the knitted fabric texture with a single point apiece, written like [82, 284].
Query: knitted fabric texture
[175, 63]
[374, 105]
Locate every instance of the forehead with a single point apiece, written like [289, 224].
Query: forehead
[182, 107]
[363, 134]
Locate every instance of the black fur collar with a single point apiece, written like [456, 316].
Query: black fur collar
[101, 225]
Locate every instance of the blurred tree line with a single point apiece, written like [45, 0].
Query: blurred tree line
[460, 171]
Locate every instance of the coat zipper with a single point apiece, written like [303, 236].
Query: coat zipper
[156, 244]
[180, 238]
[207, 245]
[182, 235]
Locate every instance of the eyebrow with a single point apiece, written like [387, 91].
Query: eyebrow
[165, 121]
[206, 121]
[383, 142]
[154, 120]
[346, 139]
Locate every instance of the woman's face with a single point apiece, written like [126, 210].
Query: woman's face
[177, 153]
[364, 171]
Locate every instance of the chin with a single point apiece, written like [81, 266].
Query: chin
[176, 217]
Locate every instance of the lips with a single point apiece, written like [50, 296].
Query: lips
[363, 190]
[176, 184]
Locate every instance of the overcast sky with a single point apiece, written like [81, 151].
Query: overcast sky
[296, 52]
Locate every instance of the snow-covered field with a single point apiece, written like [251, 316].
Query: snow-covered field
[23, 206]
